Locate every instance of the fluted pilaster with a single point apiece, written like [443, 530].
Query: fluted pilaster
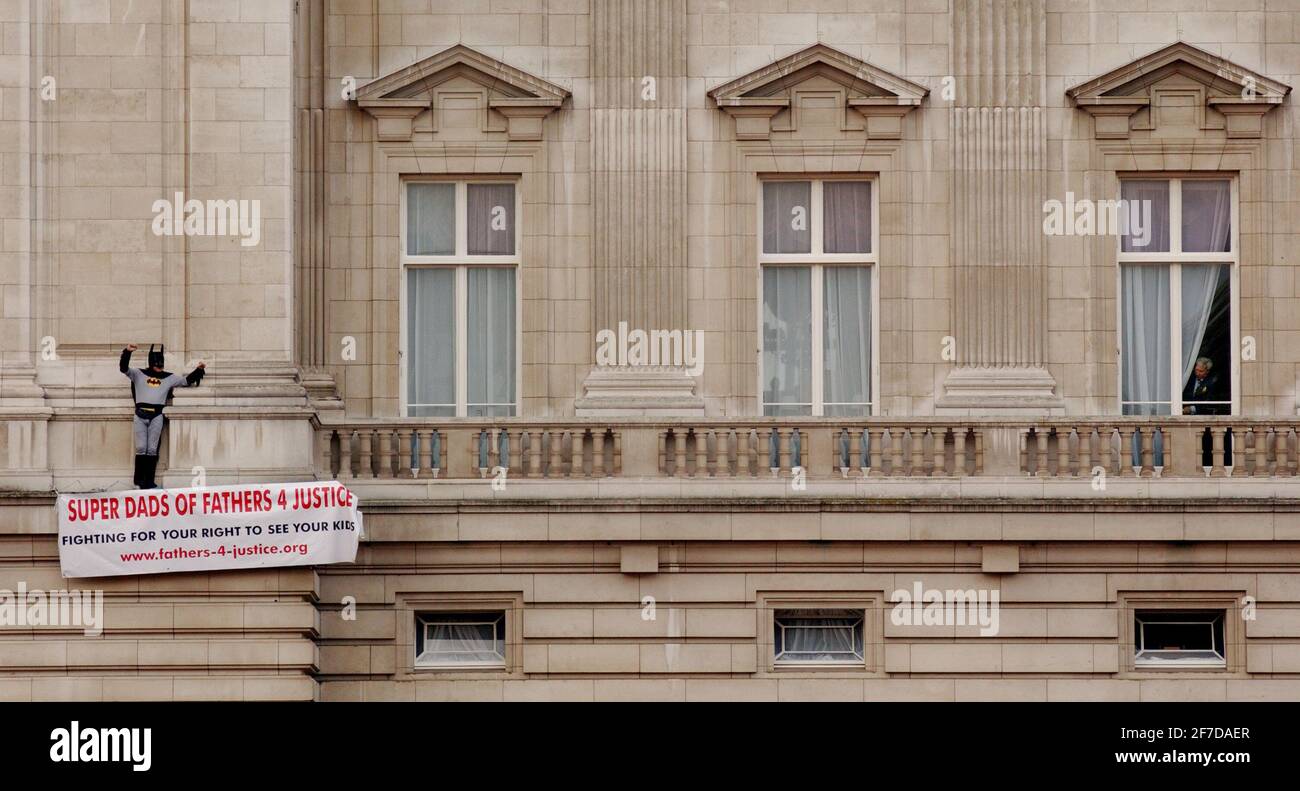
[639, 163]
[999, 138]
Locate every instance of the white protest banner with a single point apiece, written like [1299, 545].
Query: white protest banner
[153, 531]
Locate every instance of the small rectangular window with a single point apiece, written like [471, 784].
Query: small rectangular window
[460, 639]
[1179, 638]
[818, 637]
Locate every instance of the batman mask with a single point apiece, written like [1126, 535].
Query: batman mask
[156, 357]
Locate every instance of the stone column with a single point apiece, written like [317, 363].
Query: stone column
[999, 133]
[638, 195]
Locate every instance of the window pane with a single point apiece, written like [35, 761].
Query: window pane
[430, 219]
[818, 636]
[1145, 349]
[461, 638]
[431, 342]
[1207, 339]
[1178, 636]
[787, 340]
[846, 209]
[787, 206]
[1194, 638]
[491, 341]
[1207, 216]
[1145, 216]
[847, 338]
[491, 219]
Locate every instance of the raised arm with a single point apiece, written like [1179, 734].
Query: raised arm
[190, 379]
[124, 365]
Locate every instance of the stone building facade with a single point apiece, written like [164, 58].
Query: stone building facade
[896, 351]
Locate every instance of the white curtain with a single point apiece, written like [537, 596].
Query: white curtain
[461, 642]
[846, 209]
[1152, 199]
[787, 217]
[491, 328]
[491, 219]
[431, 219]
[787, 340]
[431, 342]
[1200, 282]
[815, 637]
[1207, 216]
[847, 339]
[1145, 346]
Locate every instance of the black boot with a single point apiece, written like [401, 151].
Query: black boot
[138, 480]
[150, 465]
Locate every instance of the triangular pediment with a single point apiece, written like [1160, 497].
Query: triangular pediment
[1219, 74]
[460, 72]
[862, 79]
[818, 81]
[1192, 87]
[418, 79]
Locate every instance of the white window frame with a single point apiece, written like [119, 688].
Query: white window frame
[1174, 259]
[424, 620]
[817, 260]
[855, 659]
[1145, 658]
[461, 261]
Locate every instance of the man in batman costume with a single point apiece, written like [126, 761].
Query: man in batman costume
[151, 387]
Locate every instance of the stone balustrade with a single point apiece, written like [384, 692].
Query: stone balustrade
[819, 448]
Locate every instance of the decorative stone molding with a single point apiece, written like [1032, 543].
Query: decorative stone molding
[755, 99]
[658, 391]
[1180, 75]
[396, 100]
